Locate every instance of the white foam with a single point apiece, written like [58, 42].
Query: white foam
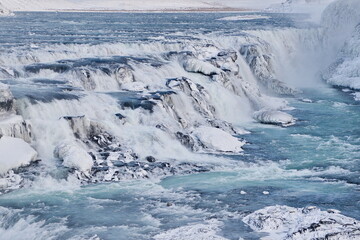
[244, 18]
[74, 156]
[27, 227]
[200, 231]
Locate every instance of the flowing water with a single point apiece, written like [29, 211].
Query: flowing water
[314, 162]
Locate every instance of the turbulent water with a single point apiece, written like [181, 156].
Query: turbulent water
[174, 126]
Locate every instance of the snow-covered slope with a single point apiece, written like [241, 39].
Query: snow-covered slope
[312, 7]
[5, 11]
[127, 5]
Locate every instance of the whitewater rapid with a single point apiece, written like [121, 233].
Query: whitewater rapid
[198, 119]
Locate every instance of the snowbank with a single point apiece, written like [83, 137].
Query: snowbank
[274, 117]
[15, 153]
[283, 222]
[74, 156]
[217, 139]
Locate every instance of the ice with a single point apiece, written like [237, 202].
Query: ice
[15, 153]
[12, 125]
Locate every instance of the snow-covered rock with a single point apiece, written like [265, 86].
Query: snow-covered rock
[218, 140]
[197, 66]
[74, 156]
[274, 117]
[15, 153]
[288, 223]
[312, 7]
[4, 11]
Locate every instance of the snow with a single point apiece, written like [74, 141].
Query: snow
[137, 5]
[312, 7]
[74, 156]
[218, 139]
[274, 117]
[4, 11]
[15, 153]
[288, 223]
[341, 20]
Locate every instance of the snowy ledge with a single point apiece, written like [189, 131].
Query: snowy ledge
[15, 153]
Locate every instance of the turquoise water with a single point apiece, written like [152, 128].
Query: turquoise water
[314, 162]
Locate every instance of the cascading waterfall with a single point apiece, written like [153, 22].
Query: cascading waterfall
[87, 114]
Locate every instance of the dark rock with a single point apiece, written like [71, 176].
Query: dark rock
[150, 159]
[186, 140]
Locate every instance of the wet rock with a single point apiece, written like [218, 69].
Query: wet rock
[186, 140]
[120, 116]
[150, 159]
